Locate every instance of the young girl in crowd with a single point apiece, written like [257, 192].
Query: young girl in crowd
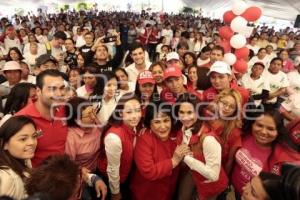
[145, 89]
[204, 170]
[74, 78]
[106, 95]
[90, 82]
[192, 78]
[14, 54]
[20, 95]
[157, 69]
[80, 61]
[123, 84]
[157, 156]
[189, 59]
[287, 63]
[18, 141]
[83, 139]
[116, 156]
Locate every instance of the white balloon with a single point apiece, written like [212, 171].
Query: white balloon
[238, 23]
[238, 41]
[229, 58]
[239, 7]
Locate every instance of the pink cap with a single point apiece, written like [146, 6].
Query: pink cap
[145, 77]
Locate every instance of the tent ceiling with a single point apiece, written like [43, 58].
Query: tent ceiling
[280, 9]
[287, 9]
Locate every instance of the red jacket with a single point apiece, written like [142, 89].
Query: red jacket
[126, 136]
[154, 171]
[283, 154]
[205, 189]
[144, 38]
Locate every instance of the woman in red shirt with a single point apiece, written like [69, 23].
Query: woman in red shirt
[157, 156]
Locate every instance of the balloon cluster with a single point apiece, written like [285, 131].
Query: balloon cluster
[236, 31]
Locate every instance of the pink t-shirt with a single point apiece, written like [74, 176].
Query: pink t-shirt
[83, 148]
[250, 159]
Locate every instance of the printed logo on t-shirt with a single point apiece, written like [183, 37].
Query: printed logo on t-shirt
[250, 166]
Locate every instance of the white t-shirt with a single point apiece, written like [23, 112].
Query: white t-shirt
[292, 104]
[294, 80]
[8, 43]
[133, 72]
[168, 34]
[256, 86]
[255, 59]
[277, 81]
[253, 48]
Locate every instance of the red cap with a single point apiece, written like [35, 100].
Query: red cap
[145, 77]
[172, 71]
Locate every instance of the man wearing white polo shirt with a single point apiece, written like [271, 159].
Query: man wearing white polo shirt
[139, 64]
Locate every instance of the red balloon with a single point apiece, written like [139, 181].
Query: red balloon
[240, 66]
[226, 32]
[226, 45]
[252, 14]
[242, 53]
[228, 16]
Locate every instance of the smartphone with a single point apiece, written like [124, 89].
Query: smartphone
[109, 39]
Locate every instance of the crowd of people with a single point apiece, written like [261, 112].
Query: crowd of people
[120, 105]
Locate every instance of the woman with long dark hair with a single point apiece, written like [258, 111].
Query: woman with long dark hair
[203, 176]
[18, 141]
[116, 156]
[19, 96]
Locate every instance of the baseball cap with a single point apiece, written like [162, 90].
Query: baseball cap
[220, 67]
[145, 77]
[42, 59]
[172, 56]
[11, 65]
[172, 71]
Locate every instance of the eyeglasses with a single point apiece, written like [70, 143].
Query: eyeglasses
[228, 105]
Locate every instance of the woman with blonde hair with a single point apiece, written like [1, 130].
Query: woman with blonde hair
[226, 123]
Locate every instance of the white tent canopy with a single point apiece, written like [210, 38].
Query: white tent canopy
[278, 9]
[287, 10]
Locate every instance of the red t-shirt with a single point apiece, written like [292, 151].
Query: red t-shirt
[54, 135]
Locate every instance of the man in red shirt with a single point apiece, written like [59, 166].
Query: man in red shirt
[220, 75]
[48, 114]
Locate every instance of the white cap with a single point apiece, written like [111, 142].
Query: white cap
[11, 65]
[220, 67]
[172, 56]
